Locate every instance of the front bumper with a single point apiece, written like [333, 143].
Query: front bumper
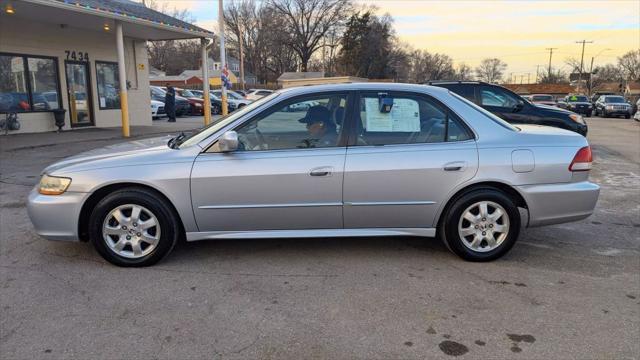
[55, 217]
[581, 111]
[559, 203]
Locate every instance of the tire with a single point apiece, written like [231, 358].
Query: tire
[627, 116]
[124, 234]
[604, 114]
[468, 202]
[215, 109]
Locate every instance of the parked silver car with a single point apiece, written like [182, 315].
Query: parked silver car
[365, 160]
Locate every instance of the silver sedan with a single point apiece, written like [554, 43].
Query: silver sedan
[365, 160]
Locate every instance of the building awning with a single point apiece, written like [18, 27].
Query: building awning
[137, 20]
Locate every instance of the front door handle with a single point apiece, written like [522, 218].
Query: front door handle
[321, 171]
[455, 166]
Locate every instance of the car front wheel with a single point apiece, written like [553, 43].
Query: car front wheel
[481, 225]
[133, 227]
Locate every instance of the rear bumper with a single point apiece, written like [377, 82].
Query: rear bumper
[55, 217]
[559, 203]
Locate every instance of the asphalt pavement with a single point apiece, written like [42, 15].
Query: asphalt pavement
[564, 291]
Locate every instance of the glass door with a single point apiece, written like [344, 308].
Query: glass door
[79, 93]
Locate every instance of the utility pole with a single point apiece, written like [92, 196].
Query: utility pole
[582, 61]
[511, 78]
[537, 73]
[550, 55]
[240, 38]
[528, 78]
[223, 60]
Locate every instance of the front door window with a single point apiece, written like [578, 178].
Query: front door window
[310, 122]
[78, 92]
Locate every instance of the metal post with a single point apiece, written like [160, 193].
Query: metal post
[223, 60]
[591, 77]
[205, 83]
[122, 77]
[240, 40]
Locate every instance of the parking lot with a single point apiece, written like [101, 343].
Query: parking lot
[564, 291]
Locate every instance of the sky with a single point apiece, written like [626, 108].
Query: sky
[517, 32]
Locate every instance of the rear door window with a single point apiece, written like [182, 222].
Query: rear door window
[411, 119]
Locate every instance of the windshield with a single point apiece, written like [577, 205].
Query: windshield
[207, 131]
[614, 99]
[486, 113]
[230, 94]
[578, 99]
[542, 98]
[187, 93]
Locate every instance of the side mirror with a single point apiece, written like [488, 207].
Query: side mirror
[228, 142]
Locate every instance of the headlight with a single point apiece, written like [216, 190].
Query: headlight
[198, 105]
[53, 185]
[577, 118]
[610, 107]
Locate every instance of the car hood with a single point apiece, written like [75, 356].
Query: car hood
[579, 103]
[128, 152]
[552, 110]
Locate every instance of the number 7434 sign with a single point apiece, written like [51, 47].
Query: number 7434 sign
[77, 55]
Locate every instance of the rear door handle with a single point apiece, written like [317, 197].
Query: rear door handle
[321, 171]
[455, 166]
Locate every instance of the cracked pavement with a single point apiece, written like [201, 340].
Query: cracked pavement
[564, 291]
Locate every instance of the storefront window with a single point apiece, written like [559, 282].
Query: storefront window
[28, 83]
[108, 85]
[44, 83]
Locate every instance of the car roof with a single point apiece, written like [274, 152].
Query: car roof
[364, 86]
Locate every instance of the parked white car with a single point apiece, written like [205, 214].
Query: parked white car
[636, 117]
[256, 94]
[157, 109]
[232, 97]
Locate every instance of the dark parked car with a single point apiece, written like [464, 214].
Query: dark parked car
[182, 105]
[216, 105]
[579, 104]
[512, 107]
[613, 105]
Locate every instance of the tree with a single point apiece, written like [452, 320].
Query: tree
[629, 63]
[426, 66]
[173, 56]
[463, 72]
[366, 46]
[491, 70]
[306, 22]
[555, 77]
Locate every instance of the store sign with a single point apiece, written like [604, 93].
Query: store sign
[77, 55]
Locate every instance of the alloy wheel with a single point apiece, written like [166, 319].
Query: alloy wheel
[131, 231]
[483, 226]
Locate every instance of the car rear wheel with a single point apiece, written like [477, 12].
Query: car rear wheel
[481, 225]
[215, 109]
[133, 227]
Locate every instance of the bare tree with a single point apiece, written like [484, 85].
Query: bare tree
[491, 70]
[463, 72]
[173, 56]
[629, 63]
[426, 66]
[308, 21]
[555, 77]
[266, 50]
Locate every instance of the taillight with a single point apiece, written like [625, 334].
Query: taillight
[582, 161]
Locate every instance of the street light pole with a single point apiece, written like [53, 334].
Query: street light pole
[223, 60]
[591, 71]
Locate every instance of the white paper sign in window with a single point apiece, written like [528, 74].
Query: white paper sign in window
[404, 116]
